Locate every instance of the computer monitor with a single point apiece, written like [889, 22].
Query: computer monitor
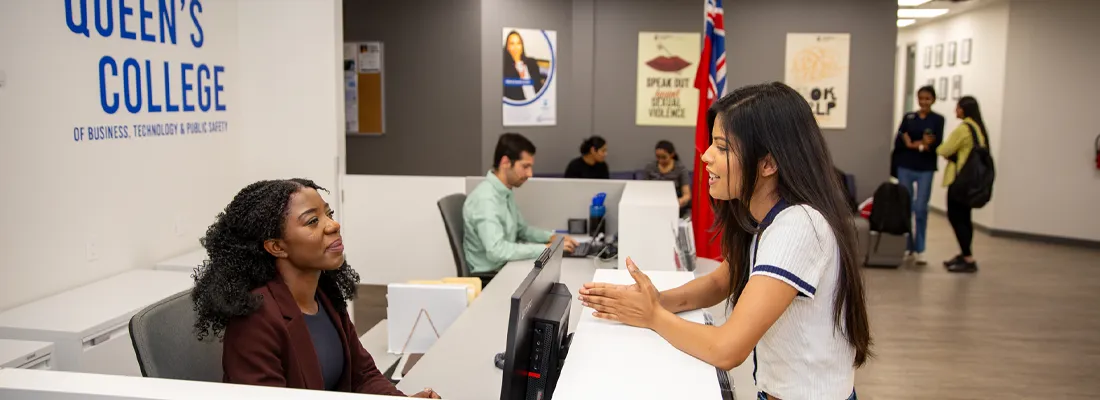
[526, 303]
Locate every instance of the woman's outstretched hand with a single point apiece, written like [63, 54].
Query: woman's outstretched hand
[634, 305]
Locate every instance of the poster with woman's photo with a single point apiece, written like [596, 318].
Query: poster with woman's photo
[529, 72]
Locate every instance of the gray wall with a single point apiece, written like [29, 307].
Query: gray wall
[433, 118]
[756, 37]
[597, 52]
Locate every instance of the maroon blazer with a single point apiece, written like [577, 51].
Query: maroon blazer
[272, 347]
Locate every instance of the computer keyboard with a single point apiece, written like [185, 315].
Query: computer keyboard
[584, 249]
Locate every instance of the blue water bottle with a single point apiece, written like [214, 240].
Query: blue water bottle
[596, 214]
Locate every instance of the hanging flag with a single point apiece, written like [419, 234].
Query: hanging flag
[710, 79]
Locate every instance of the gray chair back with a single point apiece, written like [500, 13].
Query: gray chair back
[166, 346]
[450, 207]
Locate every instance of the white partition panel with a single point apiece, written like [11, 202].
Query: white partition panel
[392, 228]
[647, 213]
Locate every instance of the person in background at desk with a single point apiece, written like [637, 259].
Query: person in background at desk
[495, 230]
[277, 286]
[919, 134]
[668, 168]
[790, 250]
[592, 162]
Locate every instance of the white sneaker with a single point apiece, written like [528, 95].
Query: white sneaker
[919, 258]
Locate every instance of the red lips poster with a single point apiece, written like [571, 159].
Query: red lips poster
[666, 71]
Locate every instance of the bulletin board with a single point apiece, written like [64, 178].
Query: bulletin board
[364, 88]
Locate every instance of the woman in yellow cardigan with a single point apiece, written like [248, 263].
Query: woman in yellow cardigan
[957, 149]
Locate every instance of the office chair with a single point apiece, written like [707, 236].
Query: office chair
[450, 207]
[164, 340]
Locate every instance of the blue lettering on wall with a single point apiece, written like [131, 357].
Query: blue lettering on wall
[218, 88]
[184, 69]
[196, 9]
[168, 106]
[104, 30]
[112, 106]
[129, 85]
[204, 91]
[132, 106]
[145, 37]
[153, 107]
[78, 27]
[123, 13]
[168, 20]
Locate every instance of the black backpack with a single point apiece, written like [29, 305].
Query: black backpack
[974, 181]
[891, 209]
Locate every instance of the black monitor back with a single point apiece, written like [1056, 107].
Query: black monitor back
[526, 302]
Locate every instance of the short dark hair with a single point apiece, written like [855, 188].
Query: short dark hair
[594, 142]
[512, 145]
[668, 147]
[928, 88]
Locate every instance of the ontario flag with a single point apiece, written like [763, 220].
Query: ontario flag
[710, 79]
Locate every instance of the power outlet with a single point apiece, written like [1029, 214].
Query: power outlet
[92, 251]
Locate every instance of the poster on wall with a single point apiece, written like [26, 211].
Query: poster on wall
[817, 67]
[529, 72]
[666, 94]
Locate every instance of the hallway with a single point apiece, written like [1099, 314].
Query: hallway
[1025, 326]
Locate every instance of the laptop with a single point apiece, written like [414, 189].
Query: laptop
[588, 248]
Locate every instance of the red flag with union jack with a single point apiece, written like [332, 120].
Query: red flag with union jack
[710, 79]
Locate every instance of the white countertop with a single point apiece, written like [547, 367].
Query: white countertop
[12, 350]
[35, 384]
[87, 307]
[609, 360]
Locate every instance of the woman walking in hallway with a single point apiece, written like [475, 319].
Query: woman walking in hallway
[957, 149]
[919, 134]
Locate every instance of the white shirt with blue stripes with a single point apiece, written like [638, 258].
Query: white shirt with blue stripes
[804, 355]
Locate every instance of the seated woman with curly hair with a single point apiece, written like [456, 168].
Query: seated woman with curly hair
[276, 288]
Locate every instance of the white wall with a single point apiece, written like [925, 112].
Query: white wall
[141, 200]
[1047, 179]
[983, 78]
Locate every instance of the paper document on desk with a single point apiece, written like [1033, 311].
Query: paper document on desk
[419, 314]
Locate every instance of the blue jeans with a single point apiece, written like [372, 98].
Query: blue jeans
[921, 195]
[764, 396]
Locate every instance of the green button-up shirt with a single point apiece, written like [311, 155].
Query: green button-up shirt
[495, 231]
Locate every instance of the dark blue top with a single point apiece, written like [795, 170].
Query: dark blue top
[916, 126]
[327, 344]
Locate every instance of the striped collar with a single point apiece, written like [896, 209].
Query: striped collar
[776, 209]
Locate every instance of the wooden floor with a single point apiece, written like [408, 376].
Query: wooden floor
[1025, 326]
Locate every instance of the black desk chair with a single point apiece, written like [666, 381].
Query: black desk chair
[166, 346]
[450, 207]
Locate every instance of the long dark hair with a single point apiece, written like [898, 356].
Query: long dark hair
[773, 119]
[969, 106]
[592, 143]
[508, 63]
[239, 263]
[668, 147]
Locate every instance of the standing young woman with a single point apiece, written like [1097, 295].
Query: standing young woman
[957, 149]
[790, 272]
[919, 134]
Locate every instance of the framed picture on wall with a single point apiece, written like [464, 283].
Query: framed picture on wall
[964, 51]
[956, 87]
[932, 82]
[927, 57]
[939, 55]
[941, 90]
[952, 52]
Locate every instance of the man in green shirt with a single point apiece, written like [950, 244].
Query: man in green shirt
[495, 231]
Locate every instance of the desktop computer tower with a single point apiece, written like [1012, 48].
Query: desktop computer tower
[549, 343]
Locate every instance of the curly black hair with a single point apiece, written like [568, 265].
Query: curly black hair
[238, 263]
